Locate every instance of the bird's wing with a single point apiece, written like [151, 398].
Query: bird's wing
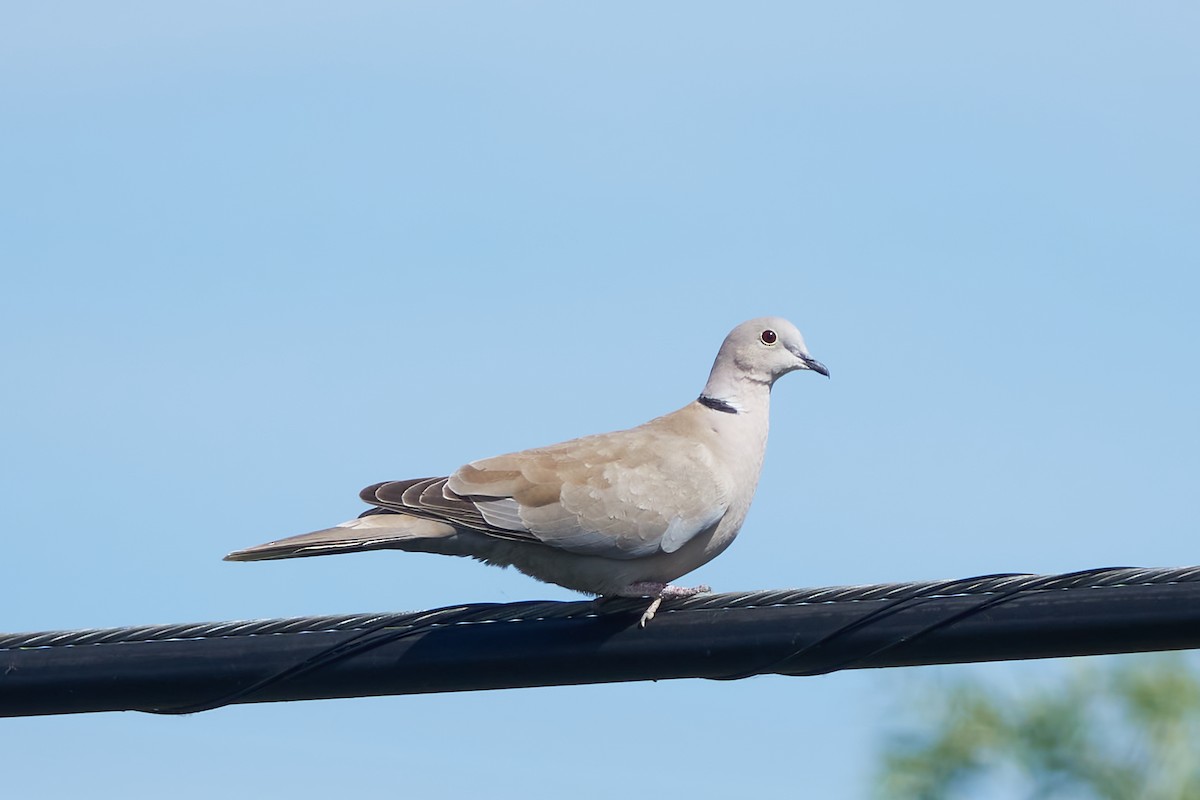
[619, 495]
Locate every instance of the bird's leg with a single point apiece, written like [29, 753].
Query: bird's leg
[660, 592]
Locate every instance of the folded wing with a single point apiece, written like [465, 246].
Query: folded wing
[619, 496]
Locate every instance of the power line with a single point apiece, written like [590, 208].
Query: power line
[188, 668]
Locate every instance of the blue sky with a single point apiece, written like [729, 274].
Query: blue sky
[257, 257]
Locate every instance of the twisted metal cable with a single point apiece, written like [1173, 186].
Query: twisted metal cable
[1004, 586]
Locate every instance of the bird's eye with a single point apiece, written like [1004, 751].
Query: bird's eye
[768, 336]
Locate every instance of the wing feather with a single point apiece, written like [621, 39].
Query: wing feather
[616, 495]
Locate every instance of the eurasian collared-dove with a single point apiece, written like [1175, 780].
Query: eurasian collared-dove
[620, 513]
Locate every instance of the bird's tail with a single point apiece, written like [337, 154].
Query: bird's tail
[372, 532]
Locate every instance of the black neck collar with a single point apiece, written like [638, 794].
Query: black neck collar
[716, 405]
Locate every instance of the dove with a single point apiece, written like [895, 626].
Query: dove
[613, 514]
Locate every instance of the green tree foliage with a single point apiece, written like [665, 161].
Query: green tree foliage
[1127, 731]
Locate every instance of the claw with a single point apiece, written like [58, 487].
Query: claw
[649, 613]
[660, 592]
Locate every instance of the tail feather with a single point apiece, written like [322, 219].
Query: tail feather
[373, 532]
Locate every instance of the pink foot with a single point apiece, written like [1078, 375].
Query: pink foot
[660, 592]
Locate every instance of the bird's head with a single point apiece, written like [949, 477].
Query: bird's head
[755, 353]
[766, 348]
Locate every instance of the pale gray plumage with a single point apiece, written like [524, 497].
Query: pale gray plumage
[610, 514]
